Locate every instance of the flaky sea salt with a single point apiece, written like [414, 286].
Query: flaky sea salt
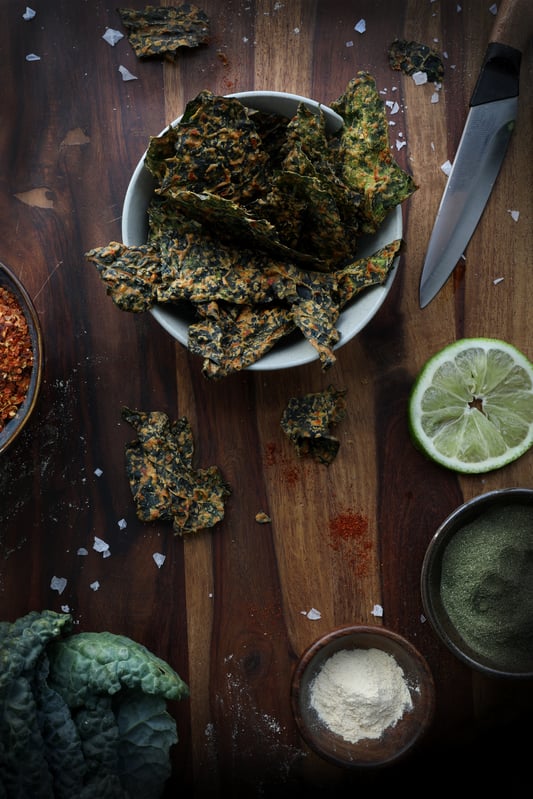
[313, 614]
[101, 546]
[82, 551]
[420, 78]
[58, 584]
[94, 586]
[112, 36]
[435, 97]
[498, 280]
[377, 610]
[122, 524]
[515, 215]
[33, 57]
[29, 13]
[360, 27]
[126, 74]
[393, 106]
[446, 167]
[159, 559]
[400, 144]
[493, 9]
[98, 472]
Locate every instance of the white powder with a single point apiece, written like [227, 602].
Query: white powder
[359, 693]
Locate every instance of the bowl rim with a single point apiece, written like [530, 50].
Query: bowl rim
[14, 427]
[331, 642]
[301, 351]
[433, 608]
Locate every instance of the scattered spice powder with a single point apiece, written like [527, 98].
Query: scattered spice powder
[348, 534]
[291, 472]
[16, 356]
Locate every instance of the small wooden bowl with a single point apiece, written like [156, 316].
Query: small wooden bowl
[396, 741]
[11, 429]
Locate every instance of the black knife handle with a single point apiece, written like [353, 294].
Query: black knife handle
[499, 76]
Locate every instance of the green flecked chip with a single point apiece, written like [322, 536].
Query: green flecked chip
[164, 482]
[255, 224]
[410, 56]
[163, 30]
[307, 420]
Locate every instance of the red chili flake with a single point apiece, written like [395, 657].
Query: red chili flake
[291, 473]
[348, 534]
[223, 58]
[16, 356]
[270, 451]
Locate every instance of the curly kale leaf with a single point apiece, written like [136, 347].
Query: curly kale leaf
[61, 742]
[86, 664]
[23, 642]
[82, 716]
[147, 732]
[24, 768]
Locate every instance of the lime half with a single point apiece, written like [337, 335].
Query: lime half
[471, 407]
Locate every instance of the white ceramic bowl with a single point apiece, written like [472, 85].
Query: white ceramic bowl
[294, 351]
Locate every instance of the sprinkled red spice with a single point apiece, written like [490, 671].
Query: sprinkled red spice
[291, 472]
[16, 356]
[348, 534]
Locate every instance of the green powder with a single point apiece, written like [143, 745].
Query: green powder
[487, 585]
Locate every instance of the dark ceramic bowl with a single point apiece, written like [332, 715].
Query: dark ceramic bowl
[397, 740]
[497, 636]
[12, 428]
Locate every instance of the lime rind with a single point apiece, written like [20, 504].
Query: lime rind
[444, 420]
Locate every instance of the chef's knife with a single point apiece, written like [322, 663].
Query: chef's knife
[489, 125]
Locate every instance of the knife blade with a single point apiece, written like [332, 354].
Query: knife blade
[482, 147]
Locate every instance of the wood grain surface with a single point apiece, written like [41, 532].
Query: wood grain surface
[228, 608]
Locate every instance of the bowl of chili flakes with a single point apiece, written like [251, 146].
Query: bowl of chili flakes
[21, 357]
[262, 229]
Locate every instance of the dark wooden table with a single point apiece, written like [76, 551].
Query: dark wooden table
[228, 607]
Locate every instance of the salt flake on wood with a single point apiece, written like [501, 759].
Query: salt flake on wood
[98, 472]
[122, 523]
[159, 559]
[377, 610]
[126, 74]
[111, 36]
[33, 57]
[58, 584]
[95, 585]
[446, 167]
[314, 614]
[360, 27]
[29, 13]
[498, 280]
[493, 9]
[420, 78]
[514, 214]
[82, 551]
[101, 546]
